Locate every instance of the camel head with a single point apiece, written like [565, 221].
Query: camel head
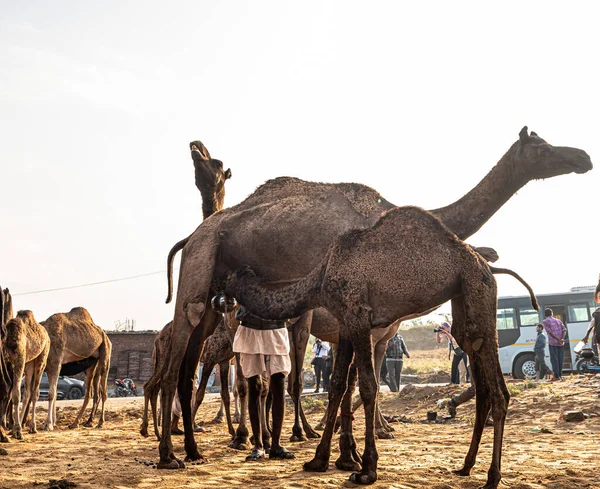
[210, 177]
[538, 159]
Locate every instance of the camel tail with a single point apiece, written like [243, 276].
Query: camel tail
[176, 249]
[277, 304]
[506, 271]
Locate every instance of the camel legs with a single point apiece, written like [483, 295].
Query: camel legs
[104, 362]
[39, 364]
[186, 379]
[298, 341]
[349, 458]
[225, 397]
[241, 387]
[360, 329]
[89, 390]
[151, 391]
[207, 369]
[97, 392]
[479, 308]
[18, 370]
[337, 387]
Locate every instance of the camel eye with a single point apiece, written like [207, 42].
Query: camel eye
[545, 150]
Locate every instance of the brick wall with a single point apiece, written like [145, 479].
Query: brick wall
[131, 355]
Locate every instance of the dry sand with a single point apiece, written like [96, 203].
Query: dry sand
[421, 455]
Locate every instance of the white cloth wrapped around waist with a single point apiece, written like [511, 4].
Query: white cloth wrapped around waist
[264, 342]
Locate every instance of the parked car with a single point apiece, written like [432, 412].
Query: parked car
[67, 388]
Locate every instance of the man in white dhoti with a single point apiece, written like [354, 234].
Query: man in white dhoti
[264, 350]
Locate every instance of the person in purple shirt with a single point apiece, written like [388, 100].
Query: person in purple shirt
[556, 341]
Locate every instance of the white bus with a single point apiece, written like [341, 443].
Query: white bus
[516, 322]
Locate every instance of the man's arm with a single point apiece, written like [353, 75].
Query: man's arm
[404, 349]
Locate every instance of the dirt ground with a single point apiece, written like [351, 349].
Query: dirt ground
[421, 455]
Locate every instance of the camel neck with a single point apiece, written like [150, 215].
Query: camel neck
[210, 206]
[466, 216]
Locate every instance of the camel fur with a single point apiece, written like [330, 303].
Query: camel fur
[406, 264]
[285, 228]
[75, 337]
[26, 348]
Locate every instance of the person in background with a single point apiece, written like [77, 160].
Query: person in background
[595, 328]
[320, 349]
[540, 352]
[556, 341]
[459, 355]
[393, 358]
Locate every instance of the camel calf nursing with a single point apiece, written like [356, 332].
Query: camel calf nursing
[406, 264]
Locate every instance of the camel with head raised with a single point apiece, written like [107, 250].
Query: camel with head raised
[77, 344]
[26, 347]
[210, 179]
[285, 228]
[406, 264]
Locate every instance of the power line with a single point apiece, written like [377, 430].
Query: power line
[91, 284]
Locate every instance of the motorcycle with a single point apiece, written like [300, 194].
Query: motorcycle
[586, 361]
[125, 388]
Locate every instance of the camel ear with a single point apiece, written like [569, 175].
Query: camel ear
[227, 173]
[523, 135]
[193, 312]
[534, 134]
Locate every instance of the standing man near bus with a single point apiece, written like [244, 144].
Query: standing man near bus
[556, 342]
[540, 352]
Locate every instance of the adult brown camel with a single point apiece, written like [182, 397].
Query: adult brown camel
[26, 347]
[406, 264]
[210, 179]
[74, 337]
[284, 229]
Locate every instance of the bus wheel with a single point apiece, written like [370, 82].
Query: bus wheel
[524, 367]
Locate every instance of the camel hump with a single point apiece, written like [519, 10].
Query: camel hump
[80, 313]
[25, 315]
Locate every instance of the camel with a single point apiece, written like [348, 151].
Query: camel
[74, 337]
[406, 264]
[6, 315]
[284, 229]
[26, 348]
[597, 291]
[210, 180]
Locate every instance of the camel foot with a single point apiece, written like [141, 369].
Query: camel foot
[384, 435]
[33, 430]
[464, 472]
[72, 426]
[88, 423]
[144, 431]
[310, 433]
[172, 464]
[17, 435]
[320, 427]
[347, 463]
[217, 420]
[48, 427]
[363, 478]
[316, 465]
[100, 425]
[239, 442]
[297, 438]
[196, 459]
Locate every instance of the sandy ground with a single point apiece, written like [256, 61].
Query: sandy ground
[421, 454]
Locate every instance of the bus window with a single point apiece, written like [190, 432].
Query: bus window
[528, 316]
[578, 313]
[506, 319]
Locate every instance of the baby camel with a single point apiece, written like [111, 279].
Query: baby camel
[407, 263]
[26, 348]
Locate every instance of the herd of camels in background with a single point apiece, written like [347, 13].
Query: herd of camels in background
[303, 246]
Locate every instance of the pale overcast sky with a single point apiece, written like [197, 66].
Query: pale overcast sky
[99, 100]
